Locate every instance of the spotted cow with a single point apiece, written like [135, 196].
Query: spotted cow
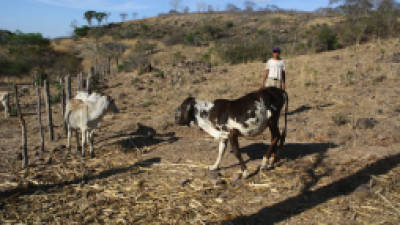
[226, 120]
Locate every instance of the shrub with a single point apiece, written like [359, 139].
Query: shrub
[341, 119]
[81, 31]
[241, 51]
[144, 47]
[136, 61]
[229, 24]
[55, 99]
[147, 103]
[121, 67]
[323, 38]
[178, 57]
[192, 39]
[14, 68]
[174, 38]
[40, 77]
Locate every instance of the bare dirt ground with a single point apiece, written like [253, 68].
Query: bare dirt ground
[149, 171]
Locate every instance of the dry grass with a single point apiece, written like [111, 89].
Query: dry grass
[145, 174]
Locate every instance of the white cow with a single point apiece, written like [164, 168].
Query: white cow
[85, 112]
[4, 95]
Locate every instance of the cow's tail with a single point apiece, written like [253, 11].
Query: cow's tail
[286, 102]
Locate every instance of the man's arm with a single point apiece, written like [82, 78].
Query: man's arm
[284, 80]
[265, 77]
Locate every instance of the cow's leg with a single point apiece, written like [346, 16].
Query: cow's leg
[273, 127]
[83, 141]
[221, 151]
[78, 144]
[69, 138]
[274, 143]
[233, 138]
[282, 139]
[91, 134]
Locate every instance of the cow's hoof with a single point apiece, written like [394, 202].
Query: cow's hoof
[213, 168]
[245, 174]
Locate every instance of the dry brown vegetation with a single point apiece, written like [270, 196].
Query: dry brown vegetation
[148, 171]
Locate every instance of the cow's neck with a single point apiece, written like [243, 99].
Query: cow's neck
[202, 118]
[97, 109]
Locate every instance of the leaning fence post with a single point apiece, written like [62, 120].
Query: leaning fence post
[39, 115]
[24, 144]
[48, 107]
[68, 88]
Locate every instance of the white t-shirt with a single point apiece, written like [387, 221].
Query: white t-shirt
[275, 67]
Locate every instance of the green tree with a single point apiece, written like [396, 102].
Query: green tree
[327, 38]
[89, 15]
[123, 16]
[100, 16]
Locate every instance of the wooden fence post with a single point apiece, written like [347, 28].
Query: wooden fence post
[24, 143]
[39, 115]
[7, 106]
[62, 85]
[48, 107]
[68, 88]
[89, 80]
[79, 81]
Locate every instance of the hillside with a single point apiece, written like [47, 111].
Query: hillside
[212, 38]
[337, 168]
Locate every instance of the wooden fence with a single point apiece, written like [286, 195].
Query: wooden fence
[65, 93]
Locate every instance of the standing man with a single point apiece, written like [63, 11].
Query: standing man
[275, 71]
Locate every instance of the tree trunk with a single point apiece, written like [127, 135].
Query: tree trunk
[39, 115]
[48, 107]
[24, 143]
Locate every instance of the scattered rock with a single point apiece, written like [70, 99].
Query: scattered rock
[380, 79]
[49, 160]
[214, 175]
[366, 123]
[184, 181]
[345, 138]
[202, 79]
[219, 183]
[122, 95]
[236, 180]
[59, 148]
[224, 70]
[362, 191]
[332, 133]
[341, 119]
[396, 57]
[397, 109]
[224, 195]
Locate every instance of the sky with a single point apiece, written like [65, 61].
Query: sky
[53, 18]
